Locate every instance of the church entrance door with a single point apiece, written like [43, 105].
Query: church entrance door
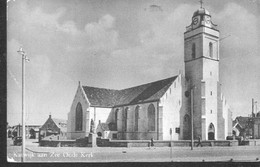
[211, 132]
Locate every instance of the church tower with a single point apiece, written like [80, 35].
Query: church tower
[201, 57]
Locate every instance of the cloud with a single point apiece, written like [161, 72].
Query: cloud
[238, 55]
[236, 21]
[159, 52]
[99, 51]
[101, 34]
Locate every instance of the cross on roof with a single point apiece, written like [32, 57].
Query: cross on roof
[201, 2]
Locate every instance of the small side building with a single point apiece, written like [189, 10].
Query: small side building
[107, 131]
[31, 131]
[247, 126]
[54, 127]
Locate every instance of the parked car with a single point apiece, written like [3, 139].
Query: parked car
[17, 141]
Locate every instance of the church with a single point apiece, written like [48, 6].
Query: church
[163, 109]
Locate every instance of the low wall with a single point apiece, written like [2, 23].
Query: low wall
[83, 142]
[163, 143]
[251, 142]
[57, 143]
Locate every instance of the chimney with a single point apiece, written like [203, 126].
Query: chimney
[99, 122]
[50, 115]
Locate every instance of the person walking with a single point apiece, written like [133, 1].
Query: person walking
[199, 142]
[152, 142]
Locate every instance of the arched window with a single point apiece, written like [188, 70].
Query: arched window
[193, 53]
[210, 49]
[136, 117]
[151, 118]
[125, 118]
[79, 117]
[116, 117]
[211, 127]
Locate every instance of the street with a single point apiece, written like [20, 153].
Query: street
[134, 154]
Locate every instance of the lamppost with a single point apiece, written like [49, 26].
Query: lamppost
[21, 52]
[192, 105]
[191, 93]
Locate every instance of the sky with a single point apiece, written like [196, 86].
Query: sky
[118, 44]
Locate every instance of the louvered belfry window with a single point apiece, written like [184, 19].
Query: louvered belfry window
[193, 51]
[210, 49]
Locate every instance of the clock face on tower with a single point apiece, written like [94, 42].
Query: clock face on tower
[195, 22]
[207, 21]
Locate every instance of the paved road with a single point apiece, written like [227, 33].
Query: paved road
[140, 154]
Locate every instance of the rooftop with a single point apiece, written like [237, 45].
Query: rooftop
[139, 94]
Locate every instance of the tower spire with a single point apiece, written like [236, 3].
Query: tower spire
[201, 2]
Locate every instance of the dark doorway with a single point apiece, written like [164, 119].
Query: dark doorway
[99, 134]
[211, 132]
[211, 136]
[32, 134]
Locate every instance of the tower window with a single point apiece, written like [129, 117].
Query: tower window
[210, 49]
[193, 53]
[211, 93]
[211, 111]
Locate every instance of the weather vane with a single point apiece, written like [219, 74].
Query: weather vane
[201, 2]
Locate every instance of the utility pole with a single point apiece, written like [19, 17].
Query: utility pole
[21, 52]
[253, 103]
[171, 143]
[192, 101]
[252, 121]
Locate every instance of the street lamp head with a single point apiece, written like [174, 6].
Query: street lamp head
[21, 51]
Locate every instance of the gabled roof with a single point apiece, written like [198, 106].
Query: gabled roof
[139, 94]
[101, 97]
[61, 123]
[242, 121]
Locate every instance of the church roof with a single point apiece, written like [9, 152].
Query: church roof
[139, 94]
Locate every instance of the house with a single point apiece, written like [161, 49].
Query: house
[54, 127]
[31, 131]
[247, 126]
[107, 131]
